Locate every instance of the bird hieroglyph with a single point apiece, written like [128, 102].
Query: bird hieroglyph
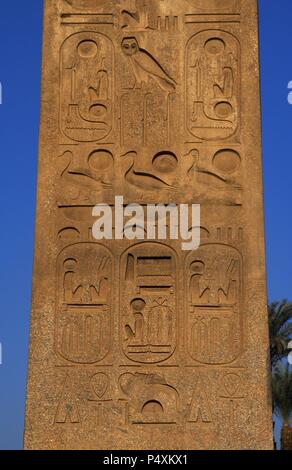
[145, 66]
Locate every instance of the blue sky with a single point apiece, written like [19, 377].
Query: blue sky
[20, 63]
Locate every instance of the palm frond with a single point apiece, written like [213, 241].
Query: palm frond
[280, 329]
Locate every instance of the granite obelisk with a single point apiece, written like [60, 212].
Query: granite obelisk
[137, 344]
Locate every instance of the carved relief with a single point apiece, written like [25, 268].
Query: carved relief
[216, 175]
[160, 176]
[222, 166]
[145, 109]
[215, 5]
[151, 400]
[148, 303]
[231, 392]
[86, 87]
[200, 409]
[168, 23]
[145, 117]
[230, 234]
[214, 296]
[84, 174]
[145, 66]
[135, 15]
[69, 233]
[203, 175]
[84, 309]
[100, 398]
[100, 19]
[67, 410]
[212, 85]
[99, 385]
[87, 4]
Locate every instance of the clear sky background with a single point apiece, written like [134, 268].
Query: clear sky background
[20, 65]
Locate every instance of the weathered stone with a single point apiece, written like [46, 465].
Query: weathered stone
[138, 345]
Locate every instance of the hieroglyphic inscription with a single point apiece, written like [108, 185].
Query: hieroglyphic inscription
[136, 343]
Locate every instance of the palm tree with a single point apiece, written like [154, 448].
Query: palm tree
[282, 401]
[280, 326]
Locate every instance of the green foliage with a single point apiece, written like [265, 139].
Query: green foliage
[280, 326]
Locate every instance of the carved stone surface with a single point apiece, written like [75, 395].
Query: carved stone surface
[138, 344]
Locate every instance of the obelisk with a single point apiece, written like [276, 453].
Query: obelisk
[138, 344]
